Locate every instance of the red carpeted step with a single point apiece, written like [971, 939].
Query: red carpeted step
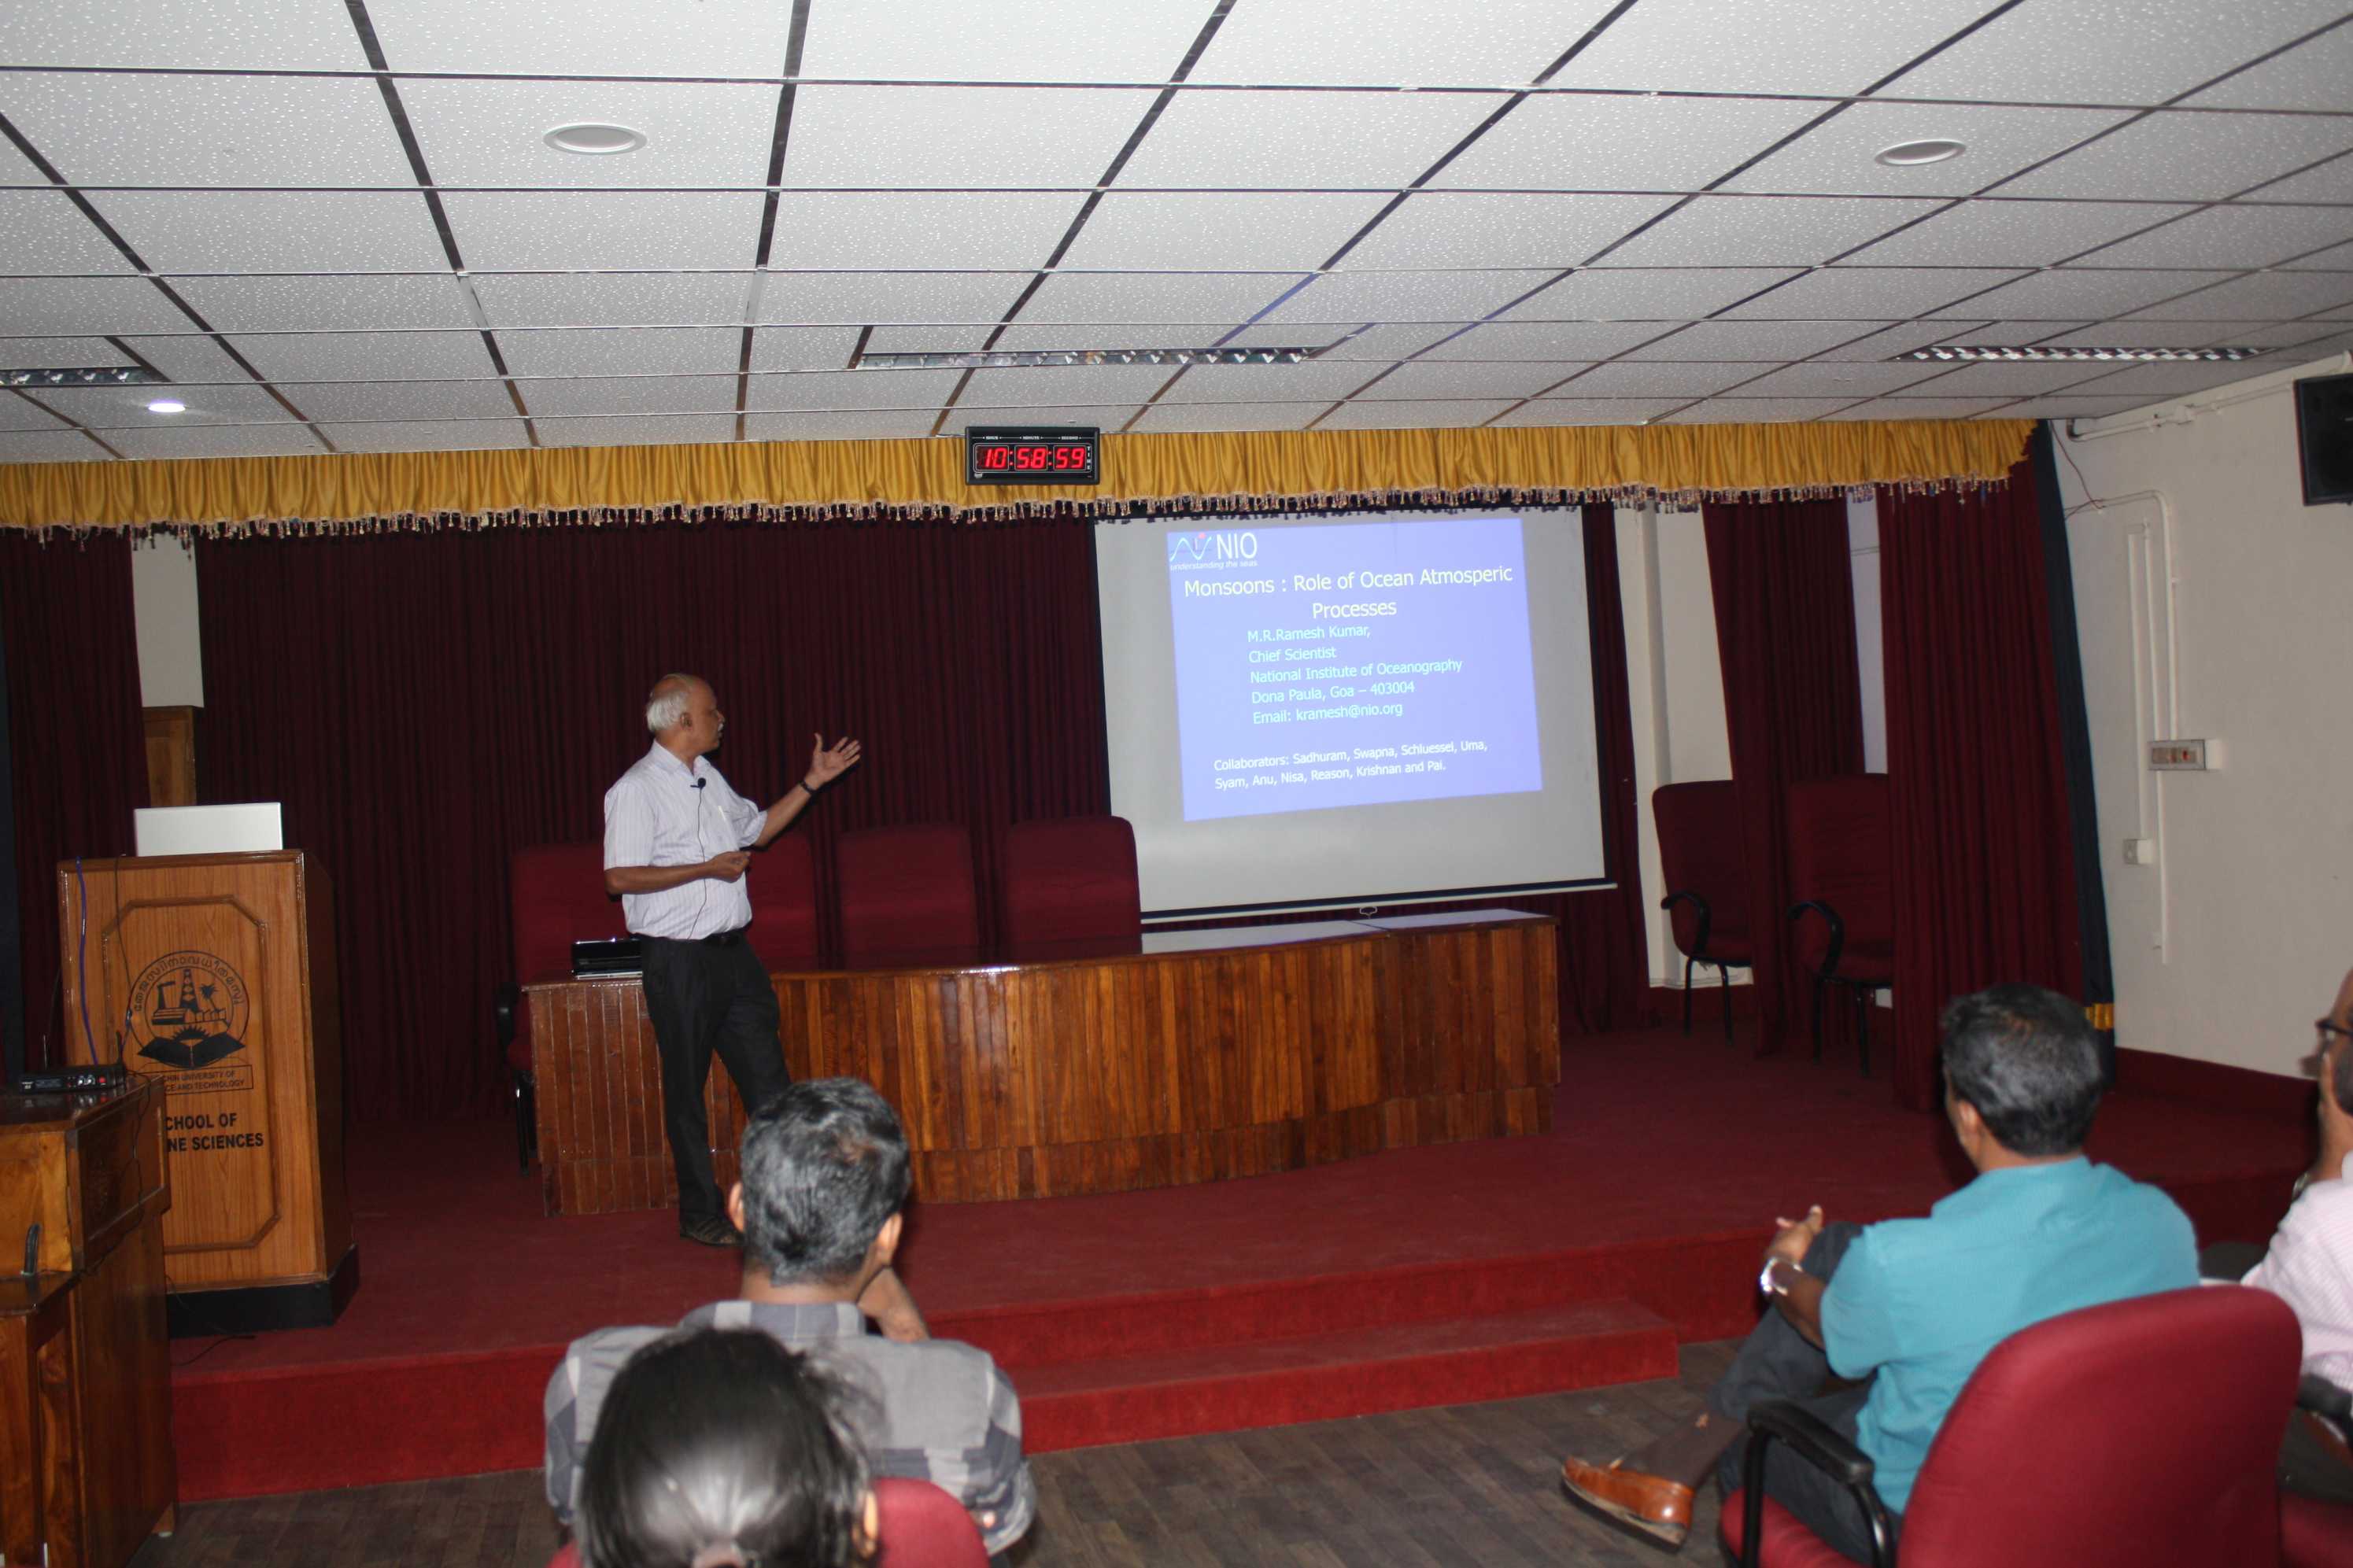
[1355, 1372]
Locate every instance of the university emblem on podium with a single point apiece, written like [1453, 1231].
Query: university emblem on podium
[191, 1007]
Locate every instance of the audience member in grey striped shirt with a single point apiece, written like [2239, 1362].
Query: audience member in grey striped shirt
[824, 1177]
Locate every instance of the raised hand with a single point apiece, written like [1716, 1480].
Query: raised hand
[827, 764]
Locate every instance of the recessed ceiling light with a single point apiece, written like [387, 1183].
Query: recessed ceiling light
[595, 140]
[167, 405]
[1933, 149]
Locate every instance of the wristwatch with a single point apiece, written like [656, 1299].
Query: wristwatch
[1765, 1276]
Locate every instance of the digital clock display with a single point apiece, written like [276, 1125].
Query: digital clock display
[1032, 457]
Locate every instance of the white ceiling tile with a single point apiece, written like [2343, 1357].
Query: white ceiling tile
[1034, 40]
[1840, 157]
[804, 348]
[1062, 385]
[15, 169]
[2000, 378]
[613, 299]
[2329, 182]
[1167, 416]
[2065, 408]
[1923, 408]
[1557, 411]
[1426, 379]
[49, 447]
[103, 130]
[1455, 414]
[2108, 51]
[918, 340]
[630, 395]
[873, 299]
[1647, 293]
[585, 37]
[1547, 340]
[2310, 75]
[2337, 258]
[1761, 46]
[276, 231]
[329, 305]
[1381, 43]
[870, 424]
[1408, 296]
[1846, 292]
[620, 430]
[2257, 297]
[1906, 336]
[1112, 336]
[2187, 157]
[365, 356]
[947, 137]
[58, 353]
[2152, 334]
[623, 351]
[1155, 296]
[222, 35]
[2171, 380]
[42, 232]
[2078, 295]
[1771, 341]
[952, 230]
[1238, 232]
[494, 133]
[365, 401]
[1457, 229]
[81, 306]
[21, 413]
[2012, 234]
[1838, 378]
[526, 231]
[428, 434]
[2231, 237]
[852, 389]
[1645, 378]
[1566, 142]
[1298, 141]
[1308, 382]
[218, 441]
[1747, 231]
[1100, 416]
[1378, 345]
[126, 406]
[1758, 410]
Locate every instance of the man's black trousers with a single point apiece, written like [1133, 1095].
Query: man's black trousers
[707, 995]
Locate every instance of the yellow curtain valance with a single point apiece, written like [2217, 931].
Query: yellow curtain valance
[1215, 473]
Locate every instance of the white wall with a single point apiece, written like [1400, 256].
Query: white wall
[1870, 652]
[163, 611]
[2212, 604]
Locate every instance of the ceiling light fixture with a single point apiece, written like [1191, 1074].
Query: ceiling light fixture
[1031, 359]
[1929, 150]
[94, 375]
[594, 138]
[2020, 354]
[167, 405]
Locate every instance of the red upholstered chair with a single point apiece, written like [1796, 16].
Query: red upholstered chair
[907, 897]
[1706, 870]
[922, 1527]
[783, 905]
[2315, 1534]
[1840, 859]
[556, 897]
[1068, 884]
[2144, 1432]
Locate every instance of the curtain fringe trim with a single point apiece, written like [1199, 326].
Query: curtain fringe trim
[1106, 509]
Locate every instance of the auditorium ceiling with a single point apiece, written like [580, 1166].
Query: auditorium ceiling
[338, 224]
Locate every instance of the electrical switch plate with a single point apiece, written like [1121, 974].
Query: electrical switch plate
[2185, 756]
[2140, 851]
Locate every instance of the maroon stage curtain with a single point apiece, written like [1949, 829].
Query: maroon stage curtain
[1985, 877]
[1784, 588]
[426, 703]
[77, 745]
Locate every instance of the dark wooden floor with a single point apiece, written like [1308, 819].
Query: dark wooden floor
[1471, 1484]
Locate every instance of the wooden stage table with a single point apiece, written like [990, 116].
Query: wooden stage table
[1190, 1057]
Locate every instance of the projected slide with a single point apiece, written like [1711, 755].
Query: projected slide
[1351, 664]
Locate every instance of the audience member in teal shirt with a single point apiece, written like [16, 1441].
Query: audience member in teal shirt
[1908, 1308]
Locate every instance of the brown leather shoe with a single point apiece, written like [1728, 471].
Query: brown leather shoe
[1654, 1505]
[713, 1230]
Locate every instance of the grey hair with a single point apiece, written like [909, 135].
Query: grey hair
[666, 709]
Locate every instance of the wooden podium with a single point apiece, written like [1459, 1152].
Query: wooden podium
[216, 974]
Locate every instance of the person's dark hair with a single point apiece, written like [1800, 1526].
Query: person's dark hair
[2026, 1058]
[824, 1166]
[720, 1445]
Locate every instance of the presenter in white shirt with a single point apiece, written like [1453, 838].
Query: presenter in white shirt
[676, 851]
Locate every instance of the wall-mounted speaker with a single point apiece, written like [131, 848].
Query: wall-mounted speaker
[2324, 437]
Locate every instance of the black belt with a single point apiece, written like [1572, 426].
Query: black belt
[717, 938]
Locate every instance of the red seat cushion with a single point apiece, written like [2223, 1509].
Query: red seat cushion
[1787, 1543]
[925, 1527]
[2315, 1534]
[1700, 851]
[907, 897]
[1071, 880]
[1840, 855]
[783, 905]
